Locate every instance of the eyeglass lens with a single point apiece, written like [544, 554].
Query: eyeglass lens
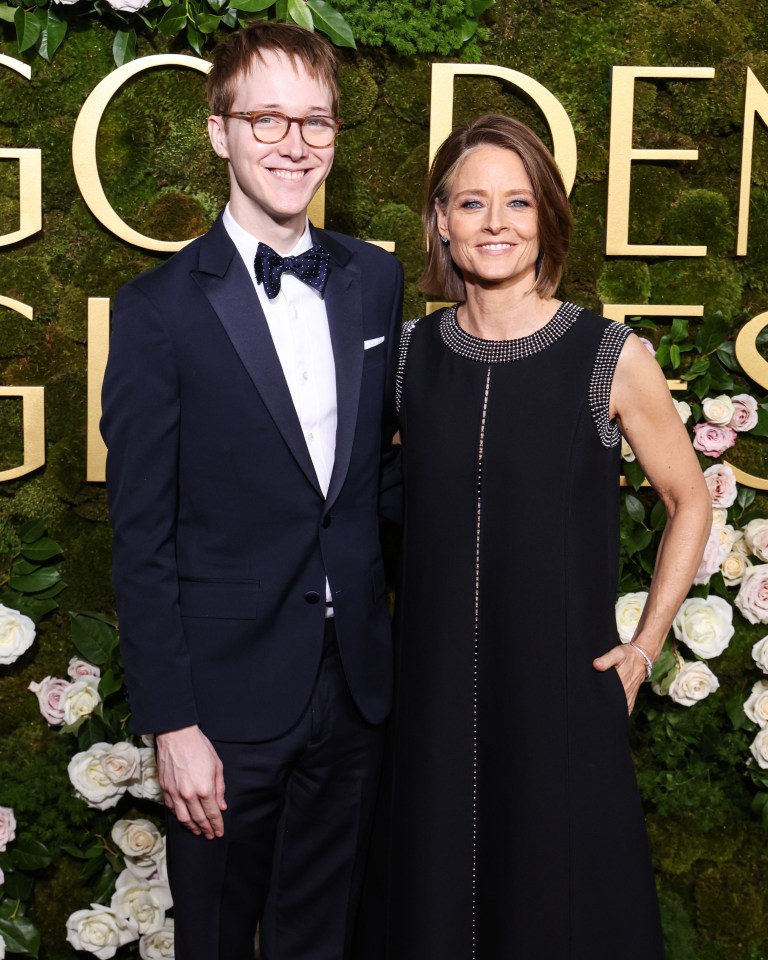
[315, 131]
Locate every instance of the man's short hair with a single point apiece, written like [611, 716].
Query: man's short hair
[234, 58]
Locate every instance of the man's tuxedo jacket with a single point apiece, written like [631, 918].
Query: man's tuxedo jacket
[222, 536]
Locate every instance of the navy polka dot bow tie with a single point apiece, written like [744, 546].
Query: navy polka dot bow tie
[310, 266]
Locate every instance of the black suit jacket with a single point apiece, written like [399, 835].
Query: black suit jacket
[222, 537]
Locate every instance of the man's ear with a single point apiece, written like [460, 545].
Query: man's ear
[217, 133]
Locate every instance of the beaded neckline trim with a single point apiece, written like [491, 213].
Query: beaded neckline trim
[505, 351]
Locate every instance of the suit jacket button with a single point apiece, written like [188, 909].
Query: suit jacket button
[312, 596]
[326, 521]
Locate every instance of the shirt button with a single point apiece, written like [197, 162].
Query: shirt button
[310, 437]
[305, 375]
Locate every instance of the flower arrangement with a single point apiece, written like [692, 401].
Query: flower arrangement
[731, 584]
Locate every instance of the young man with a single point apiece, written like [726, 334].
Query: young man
[248, 415]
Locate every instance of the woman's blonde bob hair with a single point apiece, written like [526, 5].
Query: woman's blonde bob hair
[441, 276]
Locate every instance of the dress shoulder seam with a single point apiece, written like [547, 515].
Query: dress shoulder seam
[611, 343]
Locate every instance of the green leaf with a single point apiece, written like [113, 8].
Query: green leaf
[105, 886]
[300, 13]
[52, 37]
[721, 379]
[207, 22]
[18, 886]
[42, 549]
[725, 354]
[746, 497]
[252, 6]
[662, 352]
[29, 854]
[634, 473]
[658, 516]
[35, 608]
[94, 639]
[712, 333]
[663, 665]
[124, 47]
[480, 6]
[696, 369]
[93, 851]
[467, 28]
[331, 23]
[32, 530]
[634, 508]
[195, 39]
[281, 10]
[674, 356]
[109, 684]
[734, 707]
[701, 387]
[761, 427]
[7, 13]
[20, 935]
[679, 330]
[41, 579]
[28, 29]
[173, 20]
[230, 18]
[217, 4]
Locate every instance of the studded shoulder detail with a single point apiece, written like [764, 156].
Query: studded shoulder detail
[613, 339]
[405, 338]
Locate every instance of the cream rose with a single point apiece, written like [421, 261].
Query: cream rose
[721, 482]
[141, 901]
[158, 945]
[78, 669]
[80, 699]
[740, 544]
[752, 598]
[146, 782]
[734, 567]
[756, 707]
[121, 762]
[719, 516]
[628, 611]
[744, 413]
[90, 780]
[704, 625]
[693, 682]
[717, 410]
[50, 692]
[139, 839]
[7, 827]
[2, 944]
[760, 654]
[17, 634]
[683, 409]
[759, 748]
[627, 453]
[756, 538]
[127, 6]
[99, 931]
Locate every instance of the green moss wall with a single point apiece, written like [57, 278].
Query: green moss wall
[161, 176]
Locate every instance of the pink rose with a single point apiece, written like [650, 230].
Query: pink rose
[713, 439]
[752, 598]
[7, 827]
[722, 484]
[714, 554]
[648, 345]
[744, 413]
[78, 669]
[50, 692]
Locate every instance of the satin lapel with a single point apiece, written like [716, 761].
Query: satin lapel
[232, 296]
[344, 304]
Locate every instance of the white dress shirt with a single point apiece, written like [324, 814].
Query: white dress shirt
[298, 323]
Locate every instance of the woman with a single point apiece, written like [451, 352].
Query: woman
[514, 823]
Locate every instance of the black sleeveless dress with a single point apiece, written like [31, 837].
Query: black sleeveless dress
[510, 824]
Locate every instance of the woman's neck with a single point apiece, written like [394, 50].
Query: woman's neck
[504, 314]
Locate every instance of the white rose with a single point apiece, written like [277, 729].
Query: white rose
[756, 707]
[137, 838]
[121, 762]
[158, 945]
[683, 409]
[719, 516]
[7, 827]
[127, 6]
[744, 413]
[2, 944]
[759, 748]
[627, 453]
[99, 931]
[81, 668]
[146, 782]
[17, 634]
[80, 699]
[141, 901]
[693, 682]
[90, 780]
[628, 611]
[752, 598]
[760, 654]
[734, 567]
[721, 482]
[2, 881]
[756, 538]
[50, 693]
[705, 626]
[718, 410]
[740, 544]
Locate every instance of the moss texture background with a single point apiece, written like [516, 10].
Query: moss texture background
[162, 177]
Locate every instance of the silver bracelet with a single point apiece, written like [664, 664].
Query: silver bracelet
[644, 655]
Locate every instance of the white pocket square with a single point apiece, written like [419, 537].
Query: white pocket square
[367, 344]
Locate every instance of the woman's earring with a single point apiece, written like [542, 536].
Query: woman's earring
[445, 240]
